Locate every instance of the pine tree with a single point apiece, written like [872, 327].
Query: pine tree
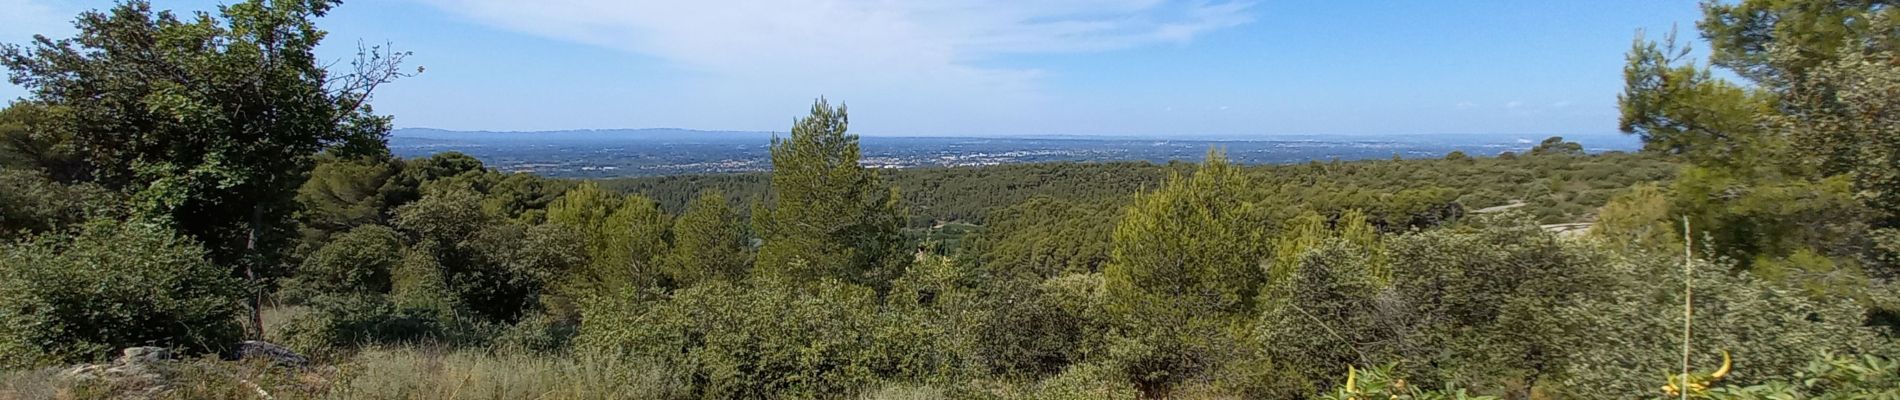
[708, 243]
[1186, 264]
[830, 218]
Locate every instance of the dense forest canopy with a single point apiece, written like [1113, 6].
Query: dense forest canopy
[185, 181]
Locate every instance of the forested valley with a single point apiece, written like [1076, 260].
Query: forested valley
[194, 206]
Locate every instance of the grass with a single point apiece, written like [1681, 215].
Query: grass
[383, 373]
[408, 373]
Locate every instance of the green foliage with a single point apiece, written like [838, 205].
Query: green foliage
[1635, 328]
[636, 241]
[709, 243]
[765, 341]
[1839, 112]
[1807, 138]
[359, 262]
[1639, 218]
[341, 321]
[1557, 189]
[33, 204]
[829, 217]
[1464, 306]
[1185, 264]
[1829, 377]
[1380, 383]
[107, 286]
[1045, 237]
[1777, 42]
[1683, 110]
[1744, 219]
[1086, 381]
[625, 238]
[1322, 315]
[31, 139]
[1556, 146]
[343, 194]
[496, 270]
[212, 121]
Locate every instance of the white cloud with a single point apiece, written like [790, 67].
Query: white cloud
[934, 47]
[1560, 104]
[1514, 104]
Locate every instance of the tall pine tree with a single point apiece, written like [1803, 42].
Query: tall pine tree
[829, 218]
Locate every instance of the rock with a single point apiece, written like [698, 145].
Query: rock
[280, 355]
[143, 355]
[86, 371]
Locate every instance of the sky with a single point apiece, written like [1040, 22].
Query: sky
[988, 67]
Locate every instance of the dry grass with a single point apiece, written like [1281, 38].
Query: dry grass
[407, 373]
[31, 384]
[383, 373]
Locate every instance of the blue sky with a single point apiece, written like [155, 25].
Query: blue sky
[991, 67]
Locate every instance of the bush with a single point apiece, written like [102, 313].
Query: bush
[343, 321]
[1087, 382]
[539, 333]
[765, 341]
[358, 261]
[1827, 378]
[111, 285]
[1772, 331]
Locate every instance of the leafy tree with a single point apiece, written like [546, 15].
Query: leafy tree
[1185, 263]
[211, 121]
[829, 217]
[111, 285]
[502, 272]
[709, 243]
[30, 138]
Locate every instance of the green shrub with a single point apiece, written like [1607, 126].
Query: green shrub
[1829, 377]
[1773, 331]
[768, 338]
[111, 285]
[358, 261]
[1087, 382]
[1380, 383]
[343, 321]
[538, 333]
